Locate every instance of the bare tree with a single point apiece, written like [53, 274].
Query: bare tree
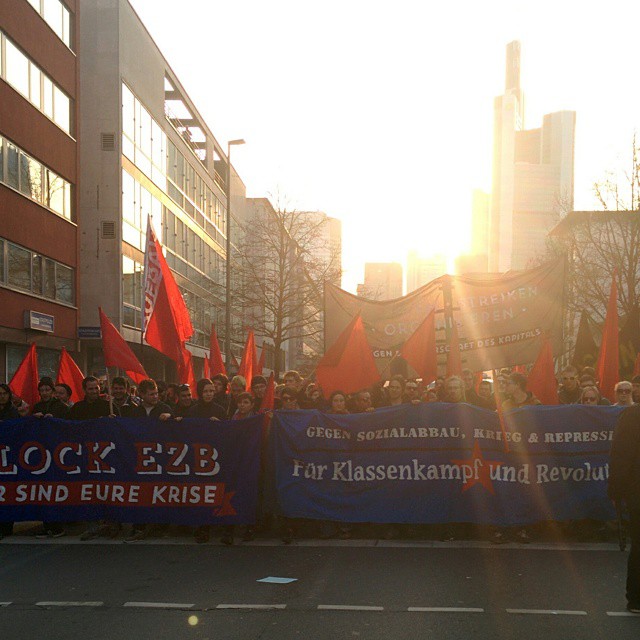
[599, 243]
[284, 259]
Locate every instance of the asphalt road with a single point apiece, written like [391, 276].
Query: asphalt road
[369, 589]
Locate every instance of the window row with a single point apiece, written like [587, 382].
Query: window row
[178, 237]
[143, 140]
[137, 204]
[25, 174]
[26, 78]
[146, 144]
[190, 191]
[57, 16]
[28, 271]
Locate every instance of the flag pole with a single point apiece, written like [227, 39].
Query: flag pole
[109, 392]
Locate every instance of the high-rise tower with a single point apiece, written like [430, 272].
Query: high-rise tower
[532, 175]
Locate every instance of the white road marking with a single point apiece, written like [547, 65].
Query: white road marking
[548, 612]
[5, 604]
[622, 614]
[446, 609]
[251, 606]
[68, 604]
[347, 607]
[159, 605]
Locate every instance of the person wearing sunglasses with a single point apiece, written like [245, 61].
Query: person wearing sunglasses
[288, 400]
[590, 396]
[570, 390]
[623, 394]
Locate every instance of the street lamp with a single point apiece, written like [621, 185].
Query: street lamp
[227, 337]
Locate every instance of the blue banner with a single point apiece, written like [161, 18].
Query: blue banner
[190, 472]
[439, 463]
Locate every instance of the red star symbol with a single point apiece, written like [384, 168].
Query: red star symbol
[478, 468]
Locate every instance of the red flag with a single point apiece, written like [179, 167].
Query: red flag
[185, 370]
[25, 380]
[542, 378]
[349, 364]
[260, 367]
[454, 361]
[216, 364]
[206, 370]
[420, 350]
[608, 367]
[117, 353]
[167, 325]
[249, 361]
[69, 373]
[269, 400]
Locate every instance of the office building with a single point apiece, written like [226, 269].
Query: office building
[382, 281]
[147, 150]
[421, 271]
[38, 181]
[532, 175]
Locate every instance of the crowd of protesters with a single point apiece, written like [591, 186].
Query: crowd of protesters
[221, 398]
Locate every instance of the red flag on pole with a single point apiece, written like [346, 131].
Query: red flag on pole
[269, 400]
[542, 378]
[349, 364]
[420, 350]
[216, 364]
[249, 360]
[117, 353]
[185, 370]
[25, 380]
[167, 325]
[608, 367]
[206, 370]
[454, 361]
[70, 374]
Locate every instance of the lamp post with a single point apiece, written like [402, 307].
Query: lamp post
[227, 337]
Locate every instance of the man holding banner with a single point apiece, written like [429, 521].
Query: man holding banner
[624, 486]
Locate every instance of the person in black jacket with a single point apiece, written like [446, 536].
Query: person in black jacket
[624, 486]
[93, 406]
[206, 405]
[150, 407]
[49, 406]
[7, 412]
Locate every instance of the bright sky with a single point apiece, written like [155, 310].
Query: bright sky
[381, 113]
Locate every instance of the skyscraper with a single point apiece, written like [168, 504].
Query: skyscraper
[421, 271]
[532, 175]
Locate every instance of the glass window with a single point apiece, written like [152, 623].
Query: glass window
[128, 281]
[36, 274]
[128, 197]
[55, 192]
[53, 15]
[35, 4]
[12, 166]
[35, 77]
[145, 132]
[49, 289]
[61, 109]
[47, 97]
[131, 235]
[128, 113]
[19, 267]
[17, 68]
[67, 200]
[66, 26]
[30, 177]
[64, 284]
